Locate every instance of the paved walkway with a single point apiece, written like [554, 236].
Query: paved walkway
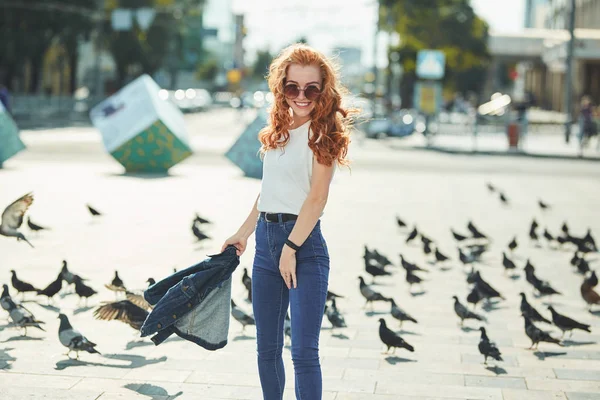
[145, 232]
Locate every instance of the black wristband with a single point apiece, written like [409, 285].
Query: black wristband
[292, 245]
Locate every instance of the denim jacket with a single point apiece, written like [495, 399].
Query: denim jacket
[194, 303]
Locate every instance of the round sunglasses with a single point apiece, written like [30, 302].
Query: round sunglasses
[311, 92]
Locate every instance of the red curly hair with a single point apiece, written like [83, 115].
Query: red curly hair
[330, 123]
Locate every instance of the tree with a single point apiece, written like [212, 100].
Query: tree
[447, 25]
[261, 65]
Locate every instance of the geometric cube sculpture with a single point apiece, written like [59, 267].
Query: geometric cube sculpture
[244, 152]
[140, 130]
[10, 143]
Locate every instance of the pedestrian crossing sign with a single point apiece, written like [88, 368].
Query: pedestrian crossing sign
[430, 64]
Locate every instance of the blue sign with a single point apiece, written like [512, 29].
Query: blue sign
[430, 64]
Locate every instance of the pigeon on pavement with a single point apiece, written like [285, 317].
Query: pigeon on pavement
[457, 236]
[537, 335]
[530, 312]
[53, 288]
[12, 218]
[488, 348]
[588, 293]
[410, 266]
[507, 263]
[241, 316]
[35, 227]
[400, 223]
[21, 316]
[116, 285]
[201, 220]
[93, 211]
[73, 339]
[513, 244]
[400, 314]
[247, 282]
[412, 235]
[124, 311]
[333, 315]
[463, 313]
[21, 286]
[369, 294]
[82, 290]
[566, 324]
[390, 339]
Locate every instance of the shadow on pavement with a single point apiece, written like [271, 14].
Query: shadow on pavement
[21, 338]
[374, 313]
[339, 336]
[543, 354]
[50, 307]
[243, 337]
[151, 390]
[6, 359]
[572, 343]
[80, 310]
[497, 370]
[141, 175]
[417, 294]
[405, 332]
[397, 360]
[137, 343]
[134, 360]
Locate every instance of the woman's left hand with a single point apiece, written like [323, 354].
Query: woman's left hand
[287, 267]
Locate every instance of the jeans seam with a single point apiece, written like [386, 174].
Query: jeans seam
[277, 339]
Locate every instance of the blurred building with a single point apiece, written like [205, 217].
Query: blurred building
[352, 70]
[536, 13]
[218, 15]
[533, 62]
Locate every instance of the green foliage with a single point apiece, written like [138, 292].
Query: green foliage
[261, 65]
[447, 25]
[208, 70]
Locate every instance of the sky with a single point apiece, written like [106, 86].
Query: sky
[272, 24]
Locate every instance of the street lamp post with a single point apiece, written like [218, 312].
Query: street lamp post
[569, 77]
[98, 56]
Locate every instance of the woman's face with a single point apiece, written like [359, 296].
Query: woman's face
[303, 76]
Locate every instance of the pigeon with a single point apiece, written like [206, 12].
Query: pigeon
[562, 240]
[20, 316]
[463, 313]
[457, 236]
[67, 275]
[400, 314]
[331, 295]
[412, 235]
[466, 260]
[400, 223]
[575, 259]
[566, 324]
[247, 282]
[369, 294]
[425, 239]
[543, 206]
[12, 218]
[588, 293]
[488, 348]
[439, 257]
[82, 290]
[375, 271]
[583, 267]
[380, 258]
[548, 236]
[537, 335]
[427, 248]
[35, 227]
[390, 339]
[589, 240]
[201, 220]
[198, 234]
[507, 262]
[485, 289]
[543, 287]
[503, 198]
[565, 228]
[530, 312]
[21, 286]
[5, 297]
[513, 244]
[410, 266]
[287, 327]
[53, 288]
[73, 339]
[475, 232]
[532, 231]
[490, 187]
[116, 285]
[93, 211]
[334, 316]
[476, 251]
[241, 316]
[138, 299]
[412, 279]
[592, 280]
[474, 297]
[124, 311]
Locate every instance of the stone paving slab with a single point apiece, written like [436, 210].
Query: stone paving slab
[145, 232]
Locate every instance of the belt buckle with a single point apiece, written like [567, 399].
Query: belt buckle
[267, 217]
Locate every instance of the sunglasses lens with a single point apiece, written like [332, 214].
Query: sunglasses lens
[291, 91]
[312, 92]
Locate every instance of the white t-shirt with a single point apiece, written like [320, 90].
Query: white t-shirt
[287, 173]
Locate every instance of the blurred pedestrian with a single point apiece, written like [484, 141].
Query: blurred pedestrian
[587, 125]
[307, 137]
[5, 98]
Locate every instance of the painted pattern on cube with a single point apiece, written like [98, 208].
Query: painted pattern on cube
[10, 143]
[155, 149]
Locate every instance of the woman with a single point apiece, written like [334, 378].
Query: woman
[307, 135]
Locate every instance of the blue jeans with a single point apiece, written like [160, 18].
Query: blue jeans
[270, 300]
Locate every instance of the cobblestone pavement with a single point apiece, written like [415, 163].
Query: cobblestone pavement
[145, 233]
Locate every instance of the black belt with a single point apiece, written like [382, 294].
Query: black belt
[273, 217]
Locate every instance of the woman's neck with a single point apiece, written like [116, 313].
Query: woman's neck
[299, 121]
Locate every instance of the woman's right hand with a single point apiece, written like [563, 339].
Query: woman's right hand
[239, 241]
